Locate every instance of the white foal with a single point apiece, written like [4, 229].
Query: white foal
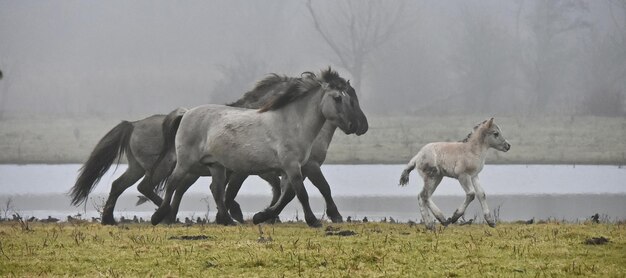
[460, 160]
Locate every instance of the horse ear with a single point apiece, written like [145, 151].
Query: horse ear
[489, 123]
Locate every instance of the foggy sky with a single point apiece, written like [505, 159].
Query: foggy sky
[130, 59]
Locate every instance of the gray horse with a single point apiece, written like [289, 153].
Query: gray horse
[142, 142]
[277, 137]
[319, 149]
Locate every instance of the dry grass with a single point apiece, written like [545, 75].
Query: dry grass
[377, 250]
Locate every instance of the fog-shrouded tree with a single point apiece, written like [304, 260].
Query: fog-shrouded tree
[548, 52]
[604, 73]
[484, 62]
[355, 29]
[237, 78]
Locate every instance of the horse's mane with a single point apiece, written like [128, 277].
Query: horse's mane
[251, 98]
[472, 132]
[299, 87]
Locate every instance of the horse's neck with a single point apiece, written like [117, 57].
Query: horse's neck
[478, 147]
[325, 135]
[305, 116]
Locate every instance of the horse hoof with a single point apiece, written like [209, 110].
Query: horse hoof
[108, 221]
[260, 217]
[273, 220]
[159, 214]
[235, 213]
[336, 219]
[430, 227]
[491, 224]
[224, 220]
[314, 223]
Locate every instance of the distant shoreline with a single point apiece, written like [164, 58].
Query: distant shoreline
[511, 207]
[576, 140]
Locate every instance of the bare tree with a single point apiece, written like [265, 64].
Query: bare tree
[355, 29]
[604, 74]
[483, 61]
[237, 78]
[550, 21]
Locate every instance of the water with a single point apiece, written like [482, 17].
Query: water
[520, 191]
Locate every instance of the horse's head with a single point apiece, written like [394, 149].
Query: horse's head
[345, 102]
[494, 137]
[337, 109]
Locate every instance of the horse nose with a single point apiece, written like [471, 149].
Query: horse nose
[507, 146]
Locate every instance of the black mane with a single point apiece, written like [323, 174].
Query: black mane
[253, 99]
[308, 81]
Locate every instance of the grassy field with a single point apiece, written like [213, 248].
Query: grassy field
[289, 250]
[565, 140]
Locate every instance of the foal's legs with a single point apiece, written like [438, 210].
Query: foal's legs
[132, 174]
[426, 204]
[466, 182]
[480, 193]
[314, 173]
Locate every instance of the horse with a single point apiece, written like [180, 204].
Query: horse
[277, 137]
[460, 160]
[317, 156]
[142, 142]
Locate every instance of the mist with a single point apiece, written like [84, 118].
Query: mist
[125, 60]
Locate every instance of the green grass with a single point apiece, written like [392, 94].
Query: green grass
[546, 140]
[378, 250]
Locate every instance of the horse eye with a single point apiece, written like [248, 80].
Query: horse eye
[496, 134]
[337, 98]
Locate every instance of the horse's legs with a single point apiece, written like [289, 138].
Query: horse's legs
[234, 184]
[274, 181]
[466, 182]
[149, 183]
[287, 194]
[132, 174]
[218, 182]
[294, 177]
[426, 203]
[480, 193]
[315, 175]
[174, 180]
[178, 195]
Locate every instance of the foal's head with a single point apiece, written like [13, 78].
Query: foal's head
[493, 136]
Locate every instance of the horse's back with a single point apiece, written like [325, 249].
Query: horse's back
[227, 134]
[146, 140]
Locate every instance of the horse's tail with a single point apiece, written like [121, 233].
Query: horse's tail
[113, 145]
[170, 127]
[404, 178]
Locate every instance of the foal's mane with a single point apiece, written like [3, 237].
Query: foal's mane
[299, 87]
[472, 132]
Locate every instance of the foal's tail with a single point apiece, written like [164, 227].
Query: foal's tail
[404, 178]
[170, 127]
[113, 145]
